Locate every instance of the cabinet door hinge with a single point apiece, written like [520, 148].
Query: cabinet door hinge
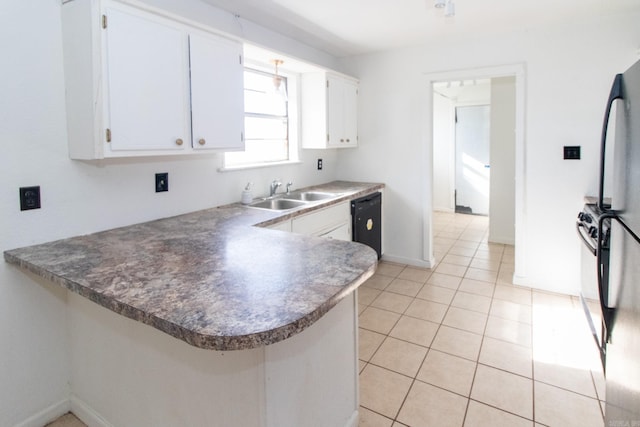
[242, 136]
[327, 83]
[240, 58]
[108, 134]
[104, 21]
[327, 137]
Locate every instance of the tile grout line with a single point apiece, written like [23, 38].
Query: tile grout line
[475, 371]
[440, 324]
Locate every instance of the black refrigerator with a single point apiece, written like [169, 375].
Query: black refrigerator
[620, 298]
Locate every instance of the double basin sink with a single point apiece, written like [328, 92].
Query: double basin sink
[295, 199]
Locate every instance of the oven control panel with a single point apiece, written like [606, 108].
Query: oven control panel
[589, 228]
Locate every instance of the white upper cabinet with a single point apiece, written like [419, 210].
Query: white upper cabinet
[217, 93]
[342, 105]
[142, 84]
[147, 101]
[329, 111]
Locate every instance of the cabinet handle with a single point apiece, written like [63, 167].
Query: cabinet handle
[201, 141]
[347, 139]
[179, 141]
[341, 140]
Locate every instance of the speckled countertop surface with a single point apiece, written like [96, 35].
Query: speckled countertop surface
[211, 278]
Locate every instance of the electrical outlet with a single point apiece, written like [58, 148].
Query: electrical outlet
[572, 152]
[319, 164]
[162, 182]
[29, 198]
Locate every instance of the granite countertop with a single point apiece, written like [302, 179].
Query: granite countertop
[211, 278]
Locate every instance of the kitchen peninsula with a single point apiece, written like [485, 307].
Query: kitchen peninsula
[283, 302]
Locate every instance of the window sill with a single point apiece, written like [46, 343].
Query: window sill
[258, 166]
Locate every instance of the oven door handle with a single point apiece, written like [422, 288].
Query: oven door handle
[584, 235]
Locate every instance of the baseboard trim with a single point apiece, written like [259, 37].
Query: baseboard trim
[409, 261]
[47, 415]
[502, 240]
[522, 281]
[86, 413]
[354, 420]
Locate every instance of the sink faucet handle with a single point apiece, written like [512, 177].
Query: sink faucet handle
[289, 184]
[274, 186]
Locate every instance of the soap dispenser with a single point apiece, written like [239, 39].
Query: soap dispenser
[247, 198]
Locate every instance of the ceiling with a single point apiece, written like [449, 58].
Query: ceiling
[352, 27]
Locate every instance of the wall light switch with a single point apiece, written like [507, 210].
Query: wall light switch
[572, 152]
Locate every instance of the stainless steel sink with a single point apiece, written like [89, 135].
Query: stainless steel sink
[278, 204]
[310, 196]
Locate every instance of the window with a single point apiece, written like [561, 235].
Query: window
[266, 123]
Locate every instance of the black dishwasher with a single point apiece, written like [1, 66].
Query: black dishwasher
[366, 217]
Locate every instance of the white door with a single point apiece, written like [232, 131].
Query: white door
[472, 159]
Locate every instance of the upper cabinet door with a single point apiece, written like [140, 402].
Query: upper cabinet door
[342, 104]
[350, 97]
[335, 112]
[217, 93]
[329, 111]
[147, 83]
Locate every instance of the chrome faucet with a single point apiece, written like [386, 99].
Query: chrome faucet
[289, 184]
[274, 187]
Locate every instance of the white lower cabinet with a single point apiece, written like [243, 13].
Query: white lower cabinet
[333, 222]
[282, 226]
[342, 232]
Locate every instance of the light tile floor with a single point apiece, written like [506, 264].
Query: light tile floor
[460, 345]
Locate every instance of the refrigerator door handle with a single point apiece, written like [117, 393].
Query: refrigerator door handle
[616, 93]
[603, 280]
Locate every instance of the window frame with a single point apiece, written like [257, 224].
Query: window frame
[293, 83]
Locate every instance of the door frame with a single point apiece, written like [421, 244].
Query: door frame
[510, 70]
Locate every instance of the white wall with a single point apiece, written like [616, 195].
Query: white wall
[568, 72]
[83, 197]
[502, 193]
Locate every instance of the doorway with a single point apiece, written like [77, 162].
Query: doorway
[471, 142]
[444, 177]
